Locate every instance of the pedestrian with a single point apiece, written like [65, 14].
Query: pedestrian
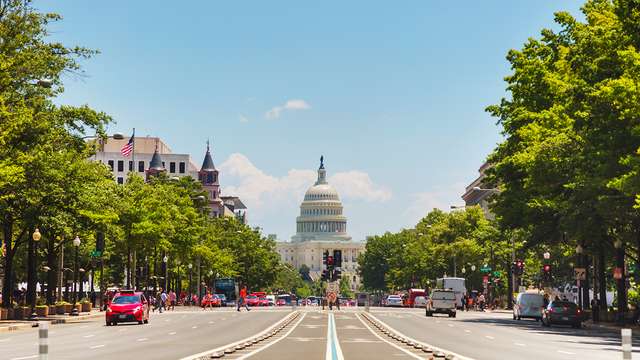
[172, 300]
[163, 300]
[154, 302]
[463, 301]
[241, 298]
[481, 302]
[595, 309]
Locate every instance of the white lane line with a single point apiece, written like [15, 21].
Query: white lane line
[172, 333]
[7, 339]
[489, 337]
[142, 339]
[97, 346]
[450, 325]
[519, 344]
[334, 352]
[275, 341]
[83, 327]
[566, 352]
[387, 341]
[25, 357]
[88, 336]
[467, 330]
[194, 327]
[210, 322]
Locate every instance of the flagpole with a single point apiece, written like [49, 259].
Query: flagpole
[133, 151]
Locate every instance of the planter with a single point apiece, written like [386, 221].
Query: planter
[42, 311]
[60, 309]
[68, 308]
[21, 313]
[86, 307]
[10, 313]
[3, 314]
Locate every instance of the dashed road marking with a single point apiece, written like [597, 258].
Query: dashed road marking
[25, 357]
[97, 346]
[172, 333]
[566, 352]
[467, 330]
[519, 344]
[194, 327]
[143, 339]
[88, 336]
[450, 325]
[489, 337]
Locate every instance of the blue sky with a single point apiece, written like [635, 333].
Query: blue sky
[391, 93]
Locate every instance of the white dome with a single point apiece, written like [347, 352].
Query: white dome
[321, 192]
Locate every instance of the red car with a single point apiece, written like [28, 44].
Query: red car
[263, 301]
[281, 302]
[214, 300]
[127, 306]
[252, 300]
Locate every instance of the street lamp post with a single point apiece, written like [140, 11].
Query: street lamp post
[579, 251]
[33, 276]
[165, 260]
[76, 244]
[190, 266]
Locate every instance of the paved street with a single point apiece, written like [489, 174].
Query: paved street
[341, 334]
[170, 335]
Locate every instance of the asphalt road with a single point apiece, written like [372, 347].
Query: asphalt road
[481, 336]
[170, 335]
[340, 334]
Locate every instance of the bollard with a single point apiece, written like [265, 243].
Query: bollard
[43, 343]
[626, 344]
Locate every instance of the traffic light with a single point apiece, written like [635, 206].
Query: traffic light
[337, 274]
[330, 262]
[546, 272]
[325, 275]
[325, 256]
[519, 267]
[337, 258]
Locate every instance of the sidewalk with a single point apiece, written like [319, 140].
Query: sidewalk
[12, 325]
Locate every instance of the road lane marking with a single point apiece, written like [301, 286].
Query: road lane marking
[450, 325]
[194, 327]
[457, 356]
[334, 352]
[387, 341]
[489, 337]
[25, 357]
[210, 322]
[566, 352]
[97, 346]
[7, 339]
[143, 339]
[519, 344]
[467, 330]
[245, 356]
[172, 333]
[88, 336]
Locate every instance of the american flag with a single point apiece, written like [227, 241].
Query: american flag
[127, 148]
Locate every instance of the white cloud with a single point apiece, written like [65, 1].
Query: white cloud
[424, 202]
[263, 192]
[295, 104]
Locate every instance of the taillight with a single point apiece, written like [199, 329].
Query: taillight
[550, 310]
[578, 311]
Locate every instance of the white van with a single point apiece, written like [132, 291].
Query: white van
[453, 283]
[442, 302]
[528, 305]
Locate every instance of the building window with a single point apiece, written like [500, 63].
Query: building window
[182, 167]
[163, 165]
[110, 162]
[120, 165]
[140, 166]
[120, 180]
[172, 167]
[130, 165]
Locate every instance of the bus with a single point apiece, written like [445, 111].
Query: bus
[229, 288]
[453, 283]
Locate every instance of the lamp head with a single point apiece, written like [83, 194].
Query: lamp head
[165, 259]
[76, 241]
[190, 266]
[36, 235]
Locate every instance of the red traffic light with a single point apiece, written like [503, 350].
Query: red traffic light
[546, 268]
[330, 260]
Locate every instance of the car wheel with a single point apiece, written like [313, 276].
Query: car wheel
[140, 322]
[114, 323]
[146, 321]
[108, 323]
[429, 313]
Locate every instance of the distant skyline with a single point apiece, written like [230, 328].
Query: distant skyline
[392, 94]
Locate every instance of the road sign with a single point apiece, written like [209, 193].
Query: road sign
[617, 273]
[497, 273]
[332, 287]
[485, 269]
[96, 253]
[580, 274]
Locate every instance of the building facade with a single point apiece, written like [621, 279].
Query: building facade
[476, 194]
[322, 226]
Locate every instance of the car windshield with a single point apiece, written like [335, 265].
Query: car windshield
[532, 299]
[564, 305]
[443, 295]
[252, 297]
[126, 299]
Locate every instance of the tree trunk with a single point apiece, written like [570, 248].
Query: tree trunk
[602, 279]
[31, 282]
[586, 302]
[7, 284]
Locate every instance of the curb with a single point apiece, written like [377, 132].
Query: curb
[69, 320]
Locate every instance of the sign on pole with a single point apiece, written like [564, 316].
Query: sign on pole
[580, 274]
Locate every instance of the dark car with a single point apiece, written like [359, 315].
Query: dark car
[562, 313]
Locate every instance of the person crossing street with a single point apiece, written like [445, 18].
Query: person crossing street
[242, 298]
[163, 300]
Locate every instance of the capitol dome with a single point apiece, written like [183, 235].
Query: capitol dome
[321, 217]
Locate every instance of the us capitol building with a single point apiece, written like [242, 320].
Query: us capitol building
[322, 226]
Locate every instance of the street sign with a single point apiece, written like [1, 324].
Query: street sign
[580, 274]
[96, 253]
[485, 269]
[617, 273]
[497, 273]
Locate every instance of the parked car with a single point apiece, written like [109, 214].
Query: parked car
[442, 302]
[252, 300]
[263, 301]
[213, 299]
[223, 299]
[420, 302]
[562, 313]
[528, 305]
[393, 300]
[127, 306]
